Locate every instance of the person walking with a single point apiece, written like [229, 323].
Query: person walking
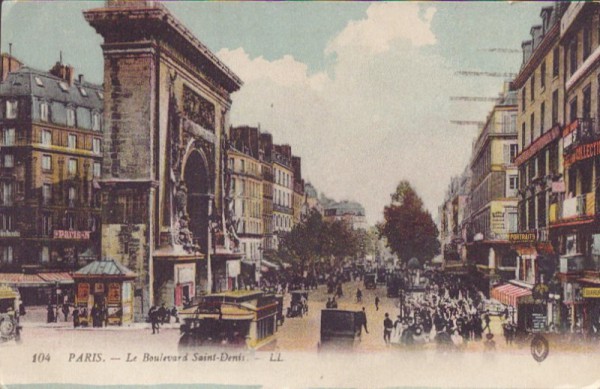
[65, 310]
[162, 313]
[486, 320]
[358, 295]
[376, 303]
[387, 329]
[75, 317]
[154, 319]
[363, 319]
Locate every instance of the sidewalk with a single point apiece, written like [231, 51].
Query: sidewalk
[35, 317]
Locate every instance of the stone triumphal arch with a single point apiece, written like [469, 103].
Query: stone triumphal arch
[166, 99]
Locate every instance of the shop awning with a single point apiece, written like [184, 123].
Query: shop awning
[589, 280]
[510, 294]
[62, 278]
[22, 280]
[269, 265]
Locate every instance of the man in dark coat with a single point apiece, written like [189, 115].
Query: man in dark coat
[387, 328]
[154, 319]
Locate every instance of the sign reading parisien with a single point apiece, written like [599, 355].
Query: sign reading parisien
[583, 152]
[522, 237]
[74, 235]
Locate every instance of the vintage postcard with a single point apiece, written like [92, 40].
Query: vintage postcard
[299, 194]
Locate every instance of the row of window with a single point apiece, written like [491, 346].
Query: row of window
[248, 208]
[72, 166]
[9, 139]
[250, 227]
[282, 178]
[281, 198]
[541, 121]
[45, 115]
[246, 188]
[283, 222]
[240, 166]
[543, 76]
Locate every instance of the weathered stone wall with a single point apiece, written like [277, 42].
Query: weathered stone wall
[129, 103]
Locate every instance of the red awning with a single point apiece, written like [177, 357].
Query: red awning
[588, 280]
[61, 278]
[21, 280]
[509, 294]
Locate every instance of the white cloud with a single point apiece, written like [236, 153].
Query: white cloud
[384, 24]
[381, 115]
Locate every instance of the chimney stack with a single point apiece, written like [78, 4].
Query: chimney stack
[65, 72]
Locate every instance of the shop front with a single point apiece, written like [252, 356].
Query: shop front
[104, 293]
[591, 302]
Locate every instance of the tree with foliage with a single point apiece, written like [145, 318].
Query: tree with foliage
[409, 228]
[301, 246]
[313, 240]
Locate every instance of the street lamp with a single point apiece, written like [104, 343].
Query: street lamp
[260, 258]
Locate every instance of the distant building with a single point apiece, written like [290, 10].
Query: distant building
[50, 161]
[283, 189]
[298, 193]
[452, 214]
[349, 212]
[246, 167]
[311, 198]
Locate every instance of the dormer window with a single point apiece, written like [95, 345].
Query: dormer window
[70, 117]
[96, 121]
[38, 81]
[83, 91]
[63, 86]
[11, 109]
[100, 95]
[44, 111]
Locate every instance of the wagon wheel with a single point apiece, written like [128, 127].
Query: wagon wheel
[539, 348]
[8, 326]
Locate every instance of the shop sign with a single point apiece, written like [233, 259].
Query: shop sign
[540, 292]
[114, 293]
[83, 291]
[591, 293]
[72, 235]
[582, 152]
[522, 237]
[98, 287]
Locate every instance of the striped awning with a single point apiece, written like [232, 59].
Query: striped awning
[61, 278]
[509, 294]
[35, 280]
[21, 280]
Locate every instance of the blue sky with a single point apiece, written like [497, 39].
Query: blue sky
[360, 90]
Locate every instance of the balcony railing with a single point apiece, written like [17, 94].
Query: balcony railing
[576, 207]
[580, 131]
[572, 263]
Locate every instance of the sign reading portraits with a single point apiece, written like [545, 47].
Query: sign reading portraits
[198, 109]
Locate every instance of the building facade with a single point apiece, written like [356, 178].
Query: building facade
[50, 161]
[246, 167]
[266, 159]
[493, 199]
[574, 222]
[349, 212]
[283, 191]
[298, 190]
[452, 216]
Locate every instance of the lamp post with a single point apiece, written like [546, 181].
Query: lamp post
[260, 258]
[209, 276]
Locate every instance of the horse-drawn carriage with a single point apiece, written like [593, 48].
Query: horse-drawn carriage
[298, 304]
[9, 314]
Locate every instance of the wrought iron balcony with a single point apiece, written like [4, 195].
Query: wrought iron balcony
[580, 131]
[582, 206]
